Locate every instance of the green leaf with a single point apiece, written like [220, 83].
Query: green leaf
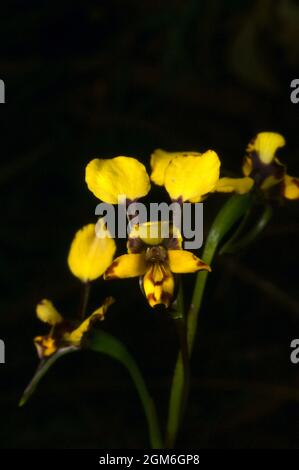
[42, 369]
[232, 211]
[105, 343]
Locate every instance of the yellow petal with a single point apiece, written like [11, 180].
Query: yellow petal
[265, 144]
[124, 266]
[115, 177]
[291, 187]
[45, 346]
[160, 160]
[74, 338]
[154, 233]
[158, 285]
[182, 261]
[47, 313]
[237, 185]
[192, 177]
[91, 252]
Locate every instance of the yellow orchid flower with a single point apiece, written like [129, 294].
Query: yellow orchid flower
[109, 179]
[187, 176]
[64, 334]
[91, 251]
[261, 168]
[90, 254]
[154, 254]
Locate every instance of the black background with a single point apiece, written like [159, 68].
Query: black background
[111, 78]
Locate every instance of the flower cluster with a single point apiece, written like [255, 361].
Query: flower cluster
[153, 257]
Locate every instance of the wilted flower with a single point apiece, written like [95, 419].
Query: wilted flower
[63, 333]
[90, 254]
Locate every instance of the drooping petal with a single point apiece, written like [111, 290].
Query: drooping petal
[160, 160]
[158, 285]
[125, 266]
[265, 145]
[237, 185]
[74, 337]
[47, 313]
[91, 252]
[109, 179]
[290, 187]
[182, 261]
[192, 177]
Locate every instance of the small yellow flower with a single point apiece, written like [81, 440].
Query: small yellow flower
[261, 168]
[91, 251]
[108, 179]
[187, 176]
[155, 253]
[64, 334]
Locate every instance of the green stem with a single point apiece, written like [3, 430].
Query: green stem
[227, 217]
[180, 322]
[108, 344]
[237, 244]
[84, 299]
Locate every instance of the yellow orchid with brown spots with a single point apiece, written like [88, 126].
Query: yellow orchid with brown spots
[155, 254]
[262, 169]
[63, 333]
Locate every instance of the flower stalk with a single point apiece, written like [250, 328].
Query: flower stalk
[232, 211]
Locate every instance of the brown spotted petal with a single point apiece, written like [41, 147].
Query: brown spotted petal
[135, 245]
[158, 285]
[262, 163]
[182, 261]
[131, 265]
[45, 346]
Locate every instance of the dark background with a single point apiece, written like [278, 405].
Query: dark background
[111, 78]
